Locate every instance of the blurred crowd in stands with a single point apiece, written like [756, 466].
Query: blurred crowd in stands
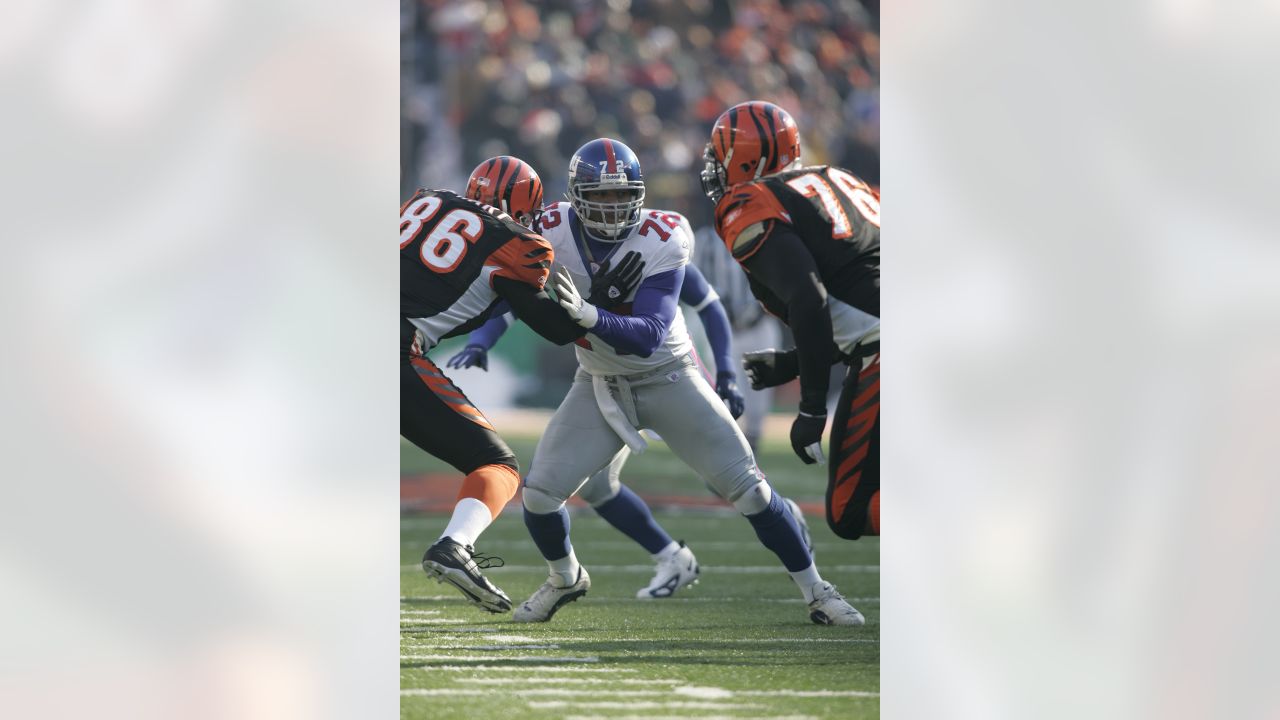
[539, 79]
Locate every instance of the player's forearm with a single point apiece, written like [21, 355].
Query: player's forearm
[654, 308]
[810, 322]
[715, 321]
[541, 313]
[487, 335]
[635, 334]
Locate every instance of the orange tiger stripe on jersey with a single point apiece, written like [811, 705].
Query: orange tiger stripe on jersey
[742, 207]
[447, 392]
[526, 259]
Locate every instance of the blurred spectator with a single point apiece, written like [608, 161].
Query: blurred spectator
[539, 79]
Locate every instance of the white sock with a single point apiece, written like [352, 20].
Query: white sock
[806, 579]
[470, 518]
[667, 552]
[564, 572]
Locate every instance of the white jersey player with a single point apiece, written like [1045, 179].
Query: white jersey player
[637, 371]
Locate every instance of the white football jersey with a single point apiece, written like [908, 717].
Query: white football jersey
[664, 241]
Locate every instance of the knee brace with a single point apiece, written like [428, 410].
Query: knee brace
[745, 488]
[539, 501]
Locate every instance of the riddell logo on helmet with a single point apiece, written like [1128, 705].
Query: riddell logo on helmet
[482, 181]
[613, 177]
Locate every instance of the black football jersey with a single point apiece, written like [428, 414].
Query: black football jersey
[836, 216]
[451, 247]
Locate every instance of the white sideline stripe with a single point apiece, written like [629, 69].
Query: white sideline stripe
[705, 693]
[686, 717]
[507, 670]
[565, 680]
[717, 569]
[533, 692]
[415, 613]
[457, 630]
[517, 658]
[512, 639]
[510, 647]
[425, 624]
[418, 598]
[808, 693]
[641, 705]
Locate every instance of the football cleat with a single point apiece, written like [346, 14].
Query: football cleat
[830, 608]
[675, 572]
[804, 526]
[460, 565]
[548, 599]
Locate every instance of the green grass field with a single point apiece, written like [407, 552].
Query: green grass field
[737, 644]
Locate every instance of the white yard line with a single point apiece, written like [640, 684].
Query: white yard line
[490, 658]
[640, 705]
[509, 647]
[532, 692]
[808, 693]
[508, 670]
[564, 680]
[426, 623]
[683, 717]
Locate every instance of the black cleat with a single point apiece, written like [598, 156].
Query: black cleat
[460, 565]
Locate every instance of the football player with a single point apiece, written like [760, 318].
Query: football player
[626, 511]
[458, 257]
[637, 370]
[809, 240]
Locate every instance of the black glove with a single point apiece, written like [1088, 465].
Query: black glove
[770, 368]
[471, 355]
[609, 288]
[806, 437]
[727, 389]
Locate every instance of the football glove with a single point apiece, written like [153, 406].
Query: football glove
[580, 311]
[727, 389]
[471, 356]
[806, 437]
[610, 288]
[770, 368]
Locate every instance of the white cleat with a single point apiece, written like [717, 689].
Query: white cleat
[548, 599]
[830, 608]
[804, 526]
[675, 572]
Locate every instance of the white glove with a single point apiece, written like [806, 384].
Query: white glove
[582, 312]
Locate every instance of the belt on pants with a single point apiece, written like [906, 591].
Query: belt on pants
[617, 403]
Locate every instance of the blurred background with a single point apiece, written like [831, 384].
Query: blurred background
[538, 79]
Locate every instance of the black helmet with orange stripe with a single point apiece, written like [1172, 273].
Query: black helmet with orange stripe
[749, 140]
[509, 184]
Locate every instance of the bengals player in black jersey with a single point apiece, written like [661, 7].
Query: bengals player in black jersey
[460, 259]
[809, 240]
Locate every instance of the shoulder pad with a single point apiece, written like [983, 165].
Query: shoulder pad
[743, 206]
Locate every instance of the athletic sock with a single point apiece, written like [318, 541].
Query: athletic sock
[470, 518]
[779, 532]
[564, 572]
[667, 552]
[631, 516]
[806, 579]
